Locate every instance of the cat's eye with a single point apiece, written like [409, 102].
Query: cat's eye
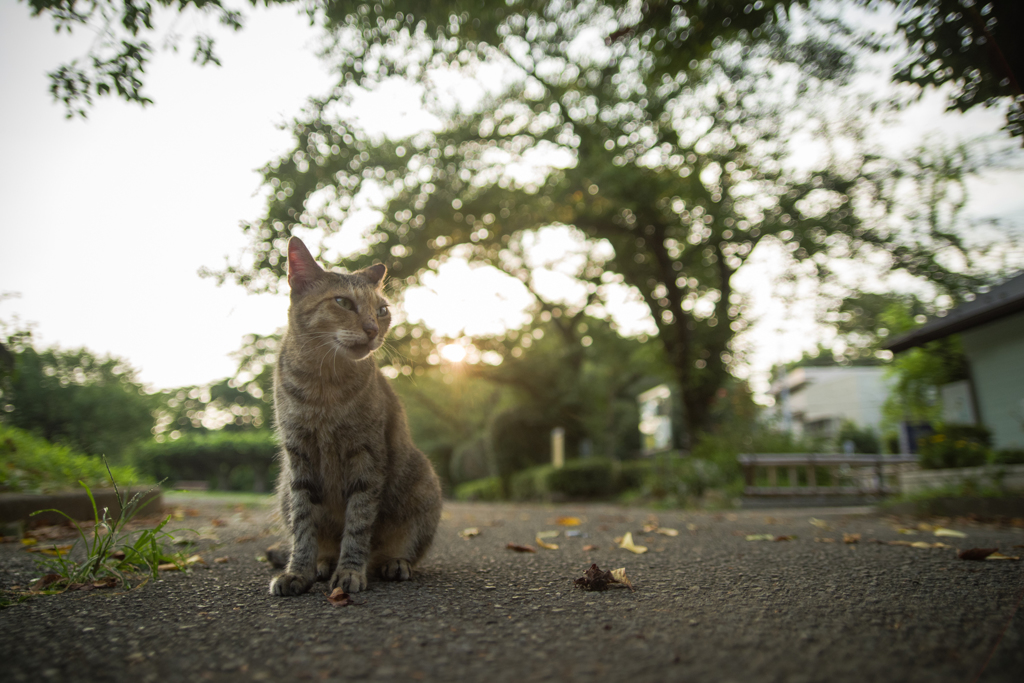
[382, 311]
[347, 304]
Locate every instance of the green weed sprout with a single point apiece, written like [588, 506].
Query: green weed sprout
[111, 550]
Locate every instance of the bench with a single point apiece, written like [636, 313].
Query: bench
[869, 477]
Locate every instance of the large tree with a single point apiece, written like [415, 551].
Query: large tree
[971, 44]
[680, 148]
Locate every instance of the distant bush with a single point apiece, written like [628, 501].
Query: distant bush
[486, 489]
[218, 458]
[520, 438]
[955, 446]
[864, 439]
[590, 478]
[29, 464]
[531, 484]
[470, 461]
[1008, 456]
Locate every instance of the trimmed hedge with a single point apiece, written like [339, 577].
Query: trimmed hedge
[579, 479]
[486, 489]
[219, 458]
[29, 464]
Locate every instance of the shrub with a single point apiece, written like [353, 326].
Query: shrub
[864, 439]
[470, 461]
[486, 489]
[955, 446]
[29, 464]
[520, 438]
[632, 474]
[1008, 456]
[530, 484]
[214, 457]
[591, 478]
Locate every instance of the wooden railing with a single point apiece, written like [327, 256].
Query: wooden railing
[868, 478]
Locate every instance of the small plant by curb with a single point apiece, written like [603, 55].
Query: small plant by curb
[112, 554]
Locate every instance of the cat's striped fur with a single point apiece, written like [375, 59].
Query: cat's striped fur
[355, 493]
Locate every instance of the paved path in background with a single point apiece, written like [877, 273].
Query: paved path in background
[708, 605]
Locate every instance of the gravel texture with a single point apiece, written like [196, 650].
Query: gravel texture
[708, 605]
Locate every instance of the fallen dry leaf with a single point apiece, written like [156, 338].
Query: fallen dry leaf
[907, 532]
[222, 560]
[926, 544]
[820, 523]
[589, 547]
[195, 559]
[45, 581]
[976, 553]
[619, 575]
[760, 537]
[548, 534]
[339, 598]
[824, 540]
[544, 544]
[851, 538]
[627, 544]
[999, 556]
[469, 532]
[939, 531]
[784, 538]
[666, 532]
[521, 548]
[594, 579]
[51, 550]
[690, 526]
[568, 521]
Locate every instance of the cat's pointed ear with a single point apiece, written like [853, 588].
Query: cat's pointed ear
[302, 268]
[375, 274]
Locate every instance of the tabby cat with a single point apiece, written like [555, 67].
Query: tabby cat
[356, 495]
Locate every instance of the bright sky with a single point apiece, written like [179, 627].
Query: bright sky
[107, 221]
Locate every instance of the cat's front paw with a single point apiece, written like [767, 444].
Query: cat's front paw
[396, 570]
[289, 584]
[349, 580]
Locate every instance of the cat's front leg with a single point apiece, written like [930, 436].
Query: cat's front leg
[299, 575]
[360, 515]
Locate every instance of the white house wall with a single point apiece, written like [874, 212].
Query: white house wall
[995, 352]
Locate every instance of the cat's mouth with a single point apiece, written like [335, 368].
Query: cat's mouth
[357, 351]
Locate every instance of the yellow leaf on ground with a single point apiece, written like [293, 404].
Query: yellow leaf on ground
[999, 556]
[469, 532]
[851, 538]
[195, 559]
[548, 534]
[667, 532]
[544, 544]
[908, 532]
[820, 523]
[926, 544]
[627, 544]
[568, 521]
[28, 541]
[952, 533]
[760, 537]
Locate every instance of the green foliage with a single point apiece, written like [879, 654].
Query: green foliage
[590, 478]
[1008, 456]
[531, 484]
[109, 549]
[93, 404]
[520, 438]
[918, 373]
[955, 446]
[29, 464]
[210, 457]
[117, 59]
[486, 489]
[973, 46]
[470, 461]
[864, 438]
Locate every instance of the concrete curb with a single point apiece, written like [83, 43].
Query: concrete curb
[18, 507]
[1009, 506]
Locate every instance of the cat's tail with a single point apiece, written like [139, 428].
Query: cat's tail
[277, 555]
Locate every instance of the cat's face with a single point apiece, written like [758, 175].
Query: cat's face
[343, 313]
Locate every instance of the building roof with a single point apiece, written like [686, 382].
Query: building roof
[999, 302]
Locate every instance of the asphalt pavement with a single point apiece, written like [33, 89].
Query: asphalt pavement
[834, 595]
